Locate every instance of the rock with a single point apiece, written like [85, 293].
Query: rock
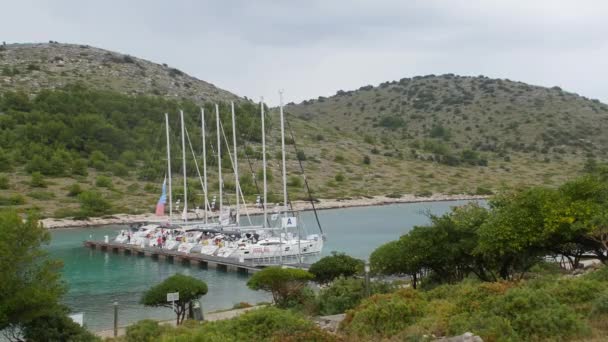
[466, 337]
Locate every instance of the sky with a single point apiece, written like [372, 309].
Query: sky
[316, 47]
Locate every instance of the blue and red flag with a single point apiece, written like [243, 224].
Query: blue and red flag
[160, 206]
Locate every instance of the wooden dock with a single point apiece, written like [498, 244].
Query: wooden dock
[201, 260]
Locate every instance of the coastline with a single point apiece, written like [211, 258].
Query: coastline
[323, 204]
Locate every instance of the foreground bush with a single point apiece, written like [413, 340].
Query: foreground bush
[266, 324]
[545, 309]
[345, 294]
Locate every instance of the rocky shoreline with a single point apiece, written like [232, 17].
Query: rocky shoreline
[120, 219]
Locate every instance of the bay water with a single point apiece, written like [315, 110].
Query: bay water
[97, 279]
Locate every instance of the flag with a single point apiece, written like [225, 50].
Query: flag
[160, 206]
[289, 222]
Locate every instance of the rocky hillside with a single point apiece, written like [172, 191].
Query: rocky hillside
[440, 116]
[32, 67]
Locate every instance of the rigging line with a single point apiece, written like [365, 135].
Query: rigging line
[203, 185]
[239, 190]
[312, 202]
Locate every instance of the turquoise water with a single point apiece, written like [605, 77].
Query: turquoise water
[97, 279]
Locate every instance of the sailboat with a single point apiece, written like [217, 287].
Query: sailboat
[289, 244]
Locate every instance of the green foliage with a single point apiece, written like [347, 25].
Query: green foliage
[600, 305]
[4, 183]
[56, 328]
[79, 167]
[294, 181]
[483, 191]
[74, 190]
[103, 182]
[366, 160]
[146, 330]
[41, 195]
[301, 155]
[283, 283]
[346, 293]
[37, 180]
[439, 131]
[189, 289]
[392, 122]
[92, 204]
[339, 177]
[30, 285]
[265, 324]
[384, 315]
[331, 267]
[14, 199]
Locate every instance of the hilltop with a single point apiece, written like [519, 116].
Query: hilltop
[34, 67]
[435, 115]
[98, 117]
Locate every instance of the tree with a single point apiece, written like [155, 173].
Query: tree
[189, 289]
[282, 283]
[37, 180]
[58, 327]
[331, 267]
[93, 204]
[30, 285]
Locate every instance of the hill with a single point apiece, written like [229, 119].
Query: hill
[431, 116]
[34, 67]
[83, 132]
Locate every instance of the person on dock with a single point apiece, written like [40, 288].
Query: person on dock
[159, 242]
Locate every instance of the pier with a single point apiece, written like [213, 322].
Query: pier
[202, 260]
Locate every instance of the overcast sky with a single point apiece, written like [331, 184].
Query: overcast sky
[312, 48]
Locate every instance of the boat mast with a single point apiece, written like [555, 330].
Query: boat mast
[204, 161]
[219, 157]
[263, 160]
[181, 115]
[236, 165]
[283, 154]
[169, 168]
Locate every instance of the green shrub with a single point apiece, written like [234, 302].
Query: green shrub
[346, 293]
[103, 182]
[367, 160]
[335, 265]
[339, 177]
[4, 183]
[79, 167]
[483, 191]
[576, 291]
[384, 315]
[41, 195]
[14, 199]
[74, 190]
[92, 203]
[301, 155]
[120, 170]
[424, 193]
[535, 315]
[600, 304]
[146, 330]
[294, 181]
[339, 158]
[37, 180]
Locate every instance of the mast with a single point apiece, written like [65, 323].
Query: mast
[264, 160]
[169, 168]
[181, 115]
[204, 161]
[236, 165]
[283, 154]
[219, 157]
